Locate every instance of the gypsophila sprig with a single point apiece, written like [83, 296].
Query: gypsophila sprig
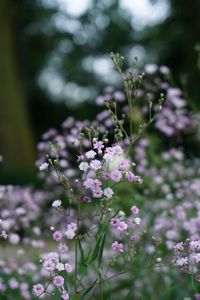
[93, 220]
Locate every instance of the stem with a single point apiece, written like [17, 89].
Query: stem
[76, 249]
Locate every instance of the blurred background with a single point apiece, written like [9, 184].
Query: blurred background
[54, 61]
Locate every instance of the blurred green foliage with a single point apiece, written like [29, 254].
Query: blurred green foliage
[53, 55]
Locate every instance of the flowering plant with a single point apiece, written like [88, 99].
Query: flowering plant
[99, 235]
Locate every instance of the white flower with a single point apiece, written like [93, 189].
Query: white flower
[90, 154]
[159, 259]
[121, 213]
[70, 234]
[43, 166]
[108, 192]
[60, 267]
[95, 164]
[83, 166]
[56, 203]
[137, 221]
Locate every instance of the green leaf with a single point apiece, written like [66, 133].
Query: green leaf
[100, 256]
[95, 251]
[83, 260]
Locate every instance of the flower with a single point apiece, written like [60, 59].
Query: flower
[182, 261]
[83, 166]
[108, 192]
[90, 154]
[65, 295]
[179, 246]
[68, 268]
[49, 265]
[117, 246]
[38, 289]
[124, 164]
[116, 175]
[95, 164]
[58, 281]
[118, 224]
[56, 203]
[134, 210]
[97, 193]
[98, 145]
[57, 236]
[70, 234]
[137, 221]
[43, 166]
[60, 267]
[14, 238]
[130, 176]
[86, 199]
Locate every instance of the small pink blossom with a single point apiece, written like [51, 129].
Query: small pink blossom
[106, 175]
[98, 145]
[68, 268]
[49, 265]
[117, 246]
[124, 164]
[116, 175]
[38, 289]
[134, 210]
[65, 295]
[57, 236]
[58, 281]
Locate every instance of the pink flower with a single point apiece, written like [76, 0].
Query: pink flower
[97, 193]
[179, 246]
[65, 295]
[58, 281]
[130, 176]
[106, 175]
[118, 150]
[68, 268]
[135, 210]
[86, 199]
[98, 145]
[118, 224]
[197, 278]
[115, 222]
[13, 283]
[49, 265]
[117, 246]
[57, 236]
[91, 183]
[182, 261]
[38, 289]
[116, 175]
[14, 238]
[124, 164]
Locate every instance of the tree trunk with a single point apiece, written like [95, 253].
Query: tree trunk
[16, 139]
